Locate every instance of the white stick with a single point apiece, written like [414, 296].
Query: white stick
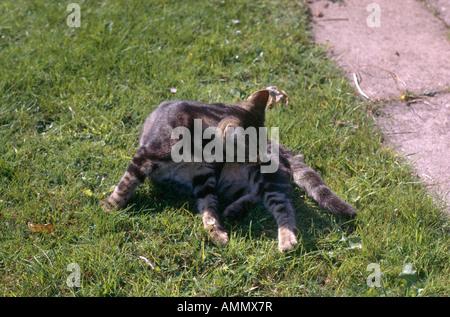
[147, 262]
[359, 88]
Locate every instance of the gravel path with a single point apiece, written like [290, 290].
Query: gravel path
[394, 49]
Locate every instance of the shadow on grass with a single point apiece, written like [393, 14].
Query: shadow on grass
[256, 222]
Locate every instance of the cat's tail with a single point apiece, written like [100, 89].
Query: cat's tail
[309, 180]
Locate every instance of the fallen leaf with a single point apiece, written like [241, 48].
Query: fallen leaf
[47, 228]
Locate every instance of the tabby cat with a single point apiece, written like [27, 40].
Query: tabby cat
[238, 182]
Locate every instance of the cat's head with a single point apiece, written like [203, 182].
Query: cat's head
[243, 132]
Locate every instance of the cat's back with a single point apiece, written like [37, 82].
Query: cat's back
[181, 113]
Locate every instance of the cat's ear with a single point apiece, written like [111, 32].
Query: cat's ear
[258, 100]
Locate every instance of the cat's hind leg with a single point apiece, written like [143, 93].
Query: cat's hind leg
[138, 170]
[204, 187]
[238, 205]
[280, 205]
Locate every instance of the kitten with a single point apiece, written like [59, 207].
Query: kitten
[154, 157]
[238, 183]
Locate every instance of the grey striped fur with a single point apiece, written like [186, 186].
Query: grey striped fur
[239, 183]
[242, 184]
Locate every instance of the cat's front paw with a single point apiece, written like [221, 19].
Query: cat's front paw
[232, 210]
[219, 237]
[214, 229]
[286, 239]
[107, 205]
[114, 202]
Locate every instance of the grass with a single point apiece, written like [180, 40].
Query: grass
[72, 102]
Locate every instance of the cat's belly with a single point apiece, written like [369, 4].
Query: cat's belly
[233, 181]
[179, 174]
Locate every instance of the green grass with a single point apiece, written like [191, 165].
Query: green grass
[72, 102]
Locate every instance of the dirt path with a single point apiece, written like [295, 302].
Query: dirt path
[394, 49]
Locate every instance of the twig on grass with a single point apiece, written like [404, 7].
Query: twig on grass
[149, 264]
[359, 88]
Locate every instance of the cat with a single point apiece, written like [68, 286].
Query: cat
[239, 183]
[154, 157]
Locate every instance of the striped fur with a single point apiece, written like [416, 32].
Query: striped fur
[237, 183]
[153, 158]
[242, 184]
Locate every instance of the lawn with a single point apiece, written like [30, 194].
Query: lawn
[73, 100]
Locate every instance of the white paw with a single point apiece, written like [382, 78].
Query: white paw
[219, 237]
[286, 239]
